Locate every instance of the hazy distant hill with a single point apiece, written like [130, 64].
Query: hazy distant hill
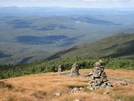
[120, 45]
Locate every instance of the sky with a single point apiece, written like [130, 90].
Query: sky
[69, 3]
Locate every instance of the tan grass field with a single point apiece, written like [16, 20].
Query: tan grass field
[42, 87]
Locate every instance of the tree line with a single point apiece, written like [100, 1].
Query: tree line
[7, 71]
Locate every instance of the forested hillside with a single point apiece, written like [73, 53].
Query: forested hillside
[119, 45]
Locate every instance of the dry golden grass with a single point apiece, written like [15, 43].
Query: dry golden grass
[42, 87]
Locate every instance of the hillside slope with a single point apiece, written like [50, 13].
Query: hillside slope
[119, 45]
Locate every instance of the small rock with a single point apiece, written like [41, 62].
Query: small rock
[81, 88]
[74, 90]
[90, 88]
[77, 100]
[57, 94]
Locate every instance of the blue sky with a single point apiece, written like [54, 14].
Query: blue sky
[69, 3]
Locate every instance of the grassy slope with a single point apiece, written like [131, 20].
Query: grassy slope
[42, 87]
[119, 45]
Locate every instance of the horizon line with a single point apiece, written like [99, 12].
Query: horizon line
[65, 7]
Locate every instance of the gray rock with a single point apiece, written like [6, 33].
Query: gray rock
[60, 69]
[91, 88]
[74, 70]
[75, 89]
[57, 94]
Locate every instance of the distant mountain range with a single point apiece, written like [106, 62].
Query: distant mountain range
[119, 45]
[29, 34]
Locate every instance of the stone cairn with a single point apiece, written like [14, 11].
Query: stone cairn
[98, 77]
[74, 70]
[60, 69]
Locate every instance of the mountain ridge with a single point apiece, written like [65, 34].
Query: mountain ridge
[119, 45]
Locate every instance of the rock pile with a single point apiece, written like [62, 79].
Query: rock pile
[75, 89]
[60, 69]
[74, 70]
[98, 77]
